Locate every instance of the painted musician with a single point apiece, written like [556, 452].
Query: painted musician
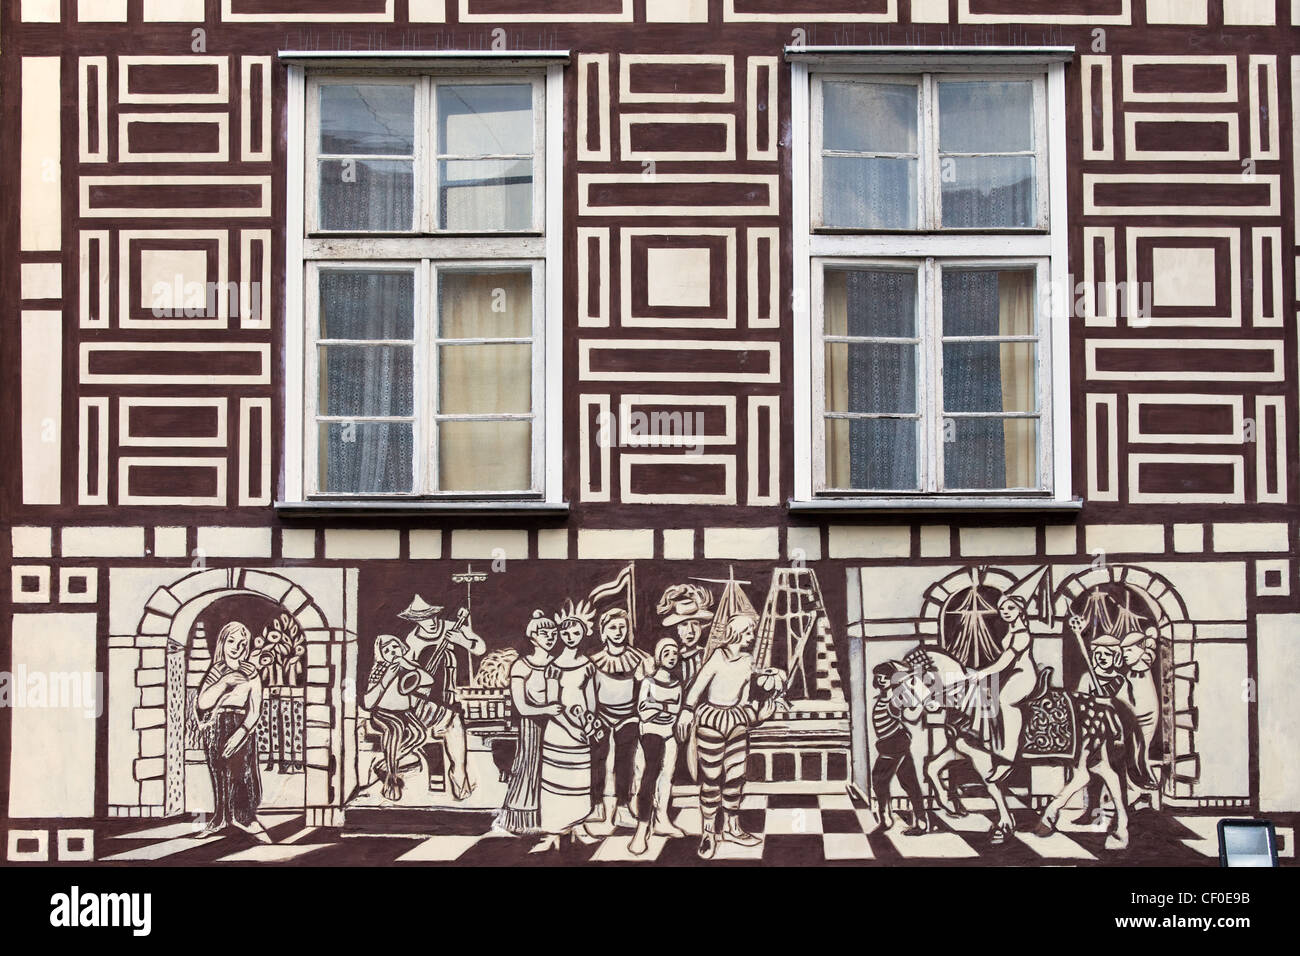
[433, 642]
[1105, 678]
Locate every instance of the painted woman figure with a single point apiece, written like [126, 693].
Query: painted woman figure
[392, 711]
[521, 813]
[566, 739]
[1139, 690]
[1017, 677]
[229, 704]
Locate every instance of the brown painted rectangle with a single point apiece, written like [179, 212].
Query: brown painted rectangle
[689, 477]
[703, 137]
[677, 78]
[1181, 136]
[1044, 8]
[703, 362]
[1159, 418]
[267, 8]
[166, 79]
[672, 194]
[1180, 78]
[1206, 361]
[166, 422]
[173, 196]
[161, 361]
[1245, 193]
[1186, 478]
[173, 481]
[143, 136]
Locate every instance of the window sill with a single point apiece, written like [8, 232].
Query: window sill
[931, 505]
[385, 509]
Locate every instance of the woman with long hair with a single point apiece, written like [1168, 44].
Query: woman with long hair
[521, 813]
[229, 704]
[391, 711]
[566, 739]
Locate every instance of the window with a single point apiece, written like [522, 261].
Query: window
[429, 268]
[930, 235]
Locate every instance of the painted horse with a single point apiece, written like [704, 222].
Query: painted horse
[1082, 732]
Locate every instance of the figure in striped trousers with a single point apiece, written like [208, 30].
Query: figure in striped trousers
[719, 709]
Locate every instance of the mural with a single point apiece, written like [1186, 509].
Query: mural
[673, 658]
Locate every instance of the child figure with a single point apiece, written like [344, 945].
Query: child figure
[894, 746]
[659, 701]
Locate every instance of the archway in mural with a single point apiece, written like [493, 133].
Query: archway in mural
[1122, 601]
[278, 613]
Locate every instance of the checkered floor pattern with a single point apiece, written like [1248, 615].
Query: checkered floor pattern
[796, 830]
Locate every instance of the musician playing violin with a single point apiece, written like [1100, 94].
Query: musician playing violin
[432, 642]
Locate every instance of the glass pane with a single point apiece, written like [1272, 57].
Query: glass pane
[870, 377]
[869, 193]
[375, 195]
[485, 305]
[988, 302]
[485, 379]
[485, 456]
[871, 454]
[366, 457]
[984, 453]
[366, 380]
[989, 192]
[869, 117]
[358, 304]
[880, 303]
[485, 120]
[490, 194]
[989, 377]
[986, 116]
[367, 120]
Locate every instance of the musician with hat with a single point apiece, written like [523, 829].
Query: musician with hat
[432, 642]
[1104, 679]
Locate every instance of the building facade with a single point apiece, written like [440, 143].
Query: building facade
[347, 318]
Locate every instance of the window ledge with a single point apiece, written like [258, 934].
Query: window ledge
[385, 509]
[906, 504]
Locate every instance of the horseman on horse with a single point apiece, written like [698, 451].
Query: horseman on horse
[1007, 711]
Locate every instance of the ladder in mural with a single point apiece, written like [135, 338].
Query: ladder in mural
[795, 614]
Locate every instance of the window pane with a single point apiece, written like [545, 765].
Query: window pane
[366, 194]
[478, 120]
[360, 304]
[485, 379]
[988, 302]
[490, 194]
[869, 193]
[989, 377]
[366, 380]
[989, 192]
[869, 117]
[871, 454]
[485, 305]
[870, 377]
[880, 303]
[988, 453]
[485, 456]
[365, 457]
[986, 116]
[362, 120]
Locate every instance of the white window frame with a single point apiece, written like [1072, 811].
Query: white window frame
[930, 340]
[426, 249]
[814, 248]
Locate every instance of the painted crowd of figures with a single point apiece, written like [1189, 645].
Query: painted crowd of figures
[600, 734]
[1006, 711]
